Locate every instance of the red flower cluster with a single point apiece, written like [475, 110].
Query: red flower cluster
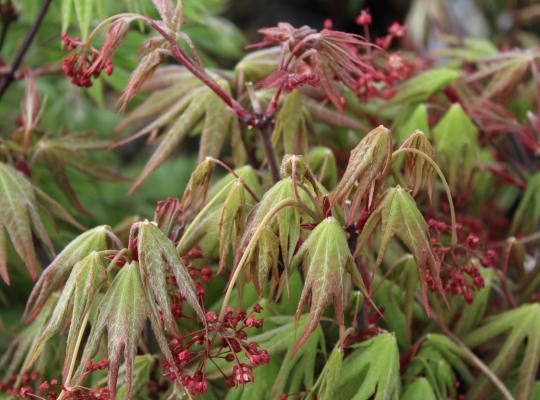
[222, 339]
[82, 65]
[460, 276]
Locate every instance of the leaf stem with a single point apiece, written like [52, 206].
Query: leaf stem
[444, 182]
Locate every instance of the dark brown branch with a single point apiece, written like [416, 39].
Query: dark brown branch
[263, 125]
[10, 76]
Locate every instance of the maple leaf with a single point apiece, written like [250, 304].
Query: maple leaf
[157, 256]
[20, 217]
[326, 258]
[58, 271]
[397, 215]
[122, 312]
[522, 326]
[367, 162]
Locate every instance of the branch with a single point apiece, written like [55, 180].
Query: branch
[10, 76]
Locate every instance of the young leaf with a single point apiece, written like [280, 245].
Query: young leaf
[291, 125]
[455, 138]
[418, 389]
[74, 303]
[58, 271]
[367, 163]
[415, 118]
[122, 312]
[377, 360]
[19, 216]
[326, 258]
[157, 256]
[419, 171]
[397, 215]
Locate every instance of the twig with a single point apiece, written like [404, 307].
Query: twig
[10, 76]
[263, 125]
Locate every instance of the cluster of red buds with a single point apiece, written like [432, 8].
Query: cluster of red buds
[51, 389]
[91, 366]
[460, 277]
[84, 63]
[221, 340]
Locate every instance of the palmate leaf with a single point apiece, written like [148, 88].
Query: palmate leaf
[75, 302]
[522, 326]
[57, 273]
[157, 256]
[57, 153]
[231, 222]
[456, 144]
[122, 312]
[439, 360]
[419, 389]
[262, 256]
[184, 109]
[371, 371]
[413, 118]
[327, 259]
[326, 385]
[291, 125]
[203, 230]
[397, 215]
[367, 162]
[20, 217]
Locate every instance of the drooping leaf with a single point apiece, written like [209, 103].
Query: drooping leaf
[183, 117]
[326, 258]
[398, 216]
[76, 300]
[419, 171]
[419, 389]
[157, 255]
[367, 162]
[57, 273]
[327, 383]
[231, 222]
[20, 217]
[122, 313]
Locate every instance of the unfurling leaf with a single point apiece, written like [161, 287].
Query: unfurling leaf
[157, 256]
[122, 313]
[20, 217]
[57, 273]
[377, 361]
[397, 215]
[455, 138]
[75, 302]
[419, 171]
[329, 377]
[231, 222]
[326, 259]
[197, 188]
[367, 163]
